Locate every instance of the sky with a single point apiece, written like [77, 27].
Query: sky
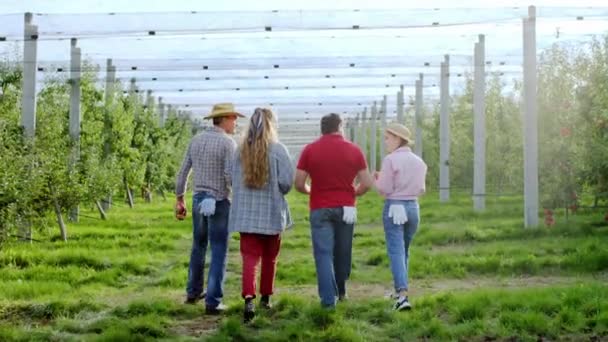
[312, 43]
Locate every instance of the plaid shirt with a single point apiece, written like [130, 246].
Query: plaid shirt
[263, 211]
[209, 155]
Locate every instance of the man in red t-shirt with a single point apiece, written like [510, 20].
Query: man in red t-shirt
[333, 164]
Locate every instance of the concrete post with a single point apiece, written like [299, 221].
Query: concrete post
[134, 97]
[28, 96]
[401, 106]
[350, 133]
[364, 132]
[75, 112]
[170, 111]
[373, 146]
[149, 101]
[530, 122]
[161, 112]
[479, 107]
[28, 99]
[106, 204]
[444, 132]
[109, 95]
[382, 126]
[419, 117]
[357, 125]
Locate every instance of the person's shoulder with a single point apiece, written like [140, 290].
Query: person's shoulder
[352, 147]
[277, 147]
[227, 139]
[417, 159]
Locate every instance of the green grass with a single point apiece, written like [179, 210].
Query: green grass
[474, 277]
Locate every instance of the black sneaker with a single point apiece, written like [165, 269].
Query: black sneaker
[194, 300]
[249, 310]
[342, 297]
[265, 302]
[402, 304]
[215, 310]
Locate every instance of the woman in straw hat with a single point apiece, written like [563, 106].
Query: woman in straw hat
[401, 180]
[262, 175]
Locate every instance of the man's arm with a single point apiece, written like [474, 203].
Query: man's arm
[229, 160]
[300, 183]
[182, 175]
[365, 182]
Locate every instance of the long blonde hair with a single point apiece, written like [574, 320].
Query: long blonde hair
[255, 148]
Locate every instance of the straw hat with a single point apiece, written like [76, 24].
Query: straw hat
[223, 109]
[401, 131]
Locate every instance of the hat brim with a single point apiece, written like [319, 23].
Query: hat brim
[408, 139]
[223, 114]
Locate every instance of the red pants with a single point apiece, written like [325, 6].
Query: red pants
[253, 248]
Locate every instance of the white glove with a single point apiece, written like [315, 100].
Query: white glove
[207, 207]
[350, 215]
[397, 212]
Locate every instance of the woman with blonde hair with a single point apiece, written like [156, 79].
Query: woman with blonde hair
[262, 174]
[401, 181]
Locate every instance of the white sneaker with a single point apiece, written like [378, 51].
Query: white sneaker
[402, 304]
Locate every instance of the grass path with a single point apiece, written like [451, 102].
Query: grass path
[474, 277]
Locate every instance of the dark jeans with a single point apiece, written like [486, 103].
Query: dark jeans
[211, 230]
[332, 241]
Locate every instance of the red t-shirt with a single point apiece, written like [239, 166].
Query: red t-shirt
[333, 164]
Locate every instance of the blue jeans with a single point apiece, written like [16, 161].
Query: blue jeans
[211, 230]
[398, 239]
[332, 242]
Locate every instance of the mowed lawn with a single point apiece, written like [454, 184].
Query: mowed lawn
[474, 277]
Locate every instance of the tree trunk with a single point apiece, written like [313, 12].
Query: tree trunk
[102, 212]
[148, 193]
[162, 194]
[106, 204]
[25, 229]
[129, 194]
[62, 227]
[596, 201]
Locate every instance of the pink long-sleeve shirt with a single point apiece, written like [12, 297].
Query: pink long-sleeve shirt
[402, 176]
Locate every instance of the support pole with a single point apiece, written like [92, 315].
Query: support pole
[149, 101]
[419, 117]
[75, 112]
[109, 95]
[444, 133]
[161, 112]
[382, 127]
[479, 107]
[170, 111]
[530, 122]
[106, 204]
[364, 132]
[401, 106]
[28, 100]
[357, 125]
[28, 96]
[350, 129]
[373, 146]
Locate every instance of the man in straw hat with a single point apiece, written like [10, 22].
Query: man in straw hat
[333, 164]
[209, 155]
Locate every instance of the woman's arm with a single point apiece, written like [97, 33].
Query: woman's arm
[385, 182]
[285, 170]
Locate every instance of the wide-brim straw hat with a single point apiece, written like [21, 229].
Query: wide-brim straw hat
[401, 131]
[223, 109]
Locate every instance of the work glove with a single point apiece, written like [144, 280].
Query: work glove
[350, 215]
[207, 207]
[397, 212]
